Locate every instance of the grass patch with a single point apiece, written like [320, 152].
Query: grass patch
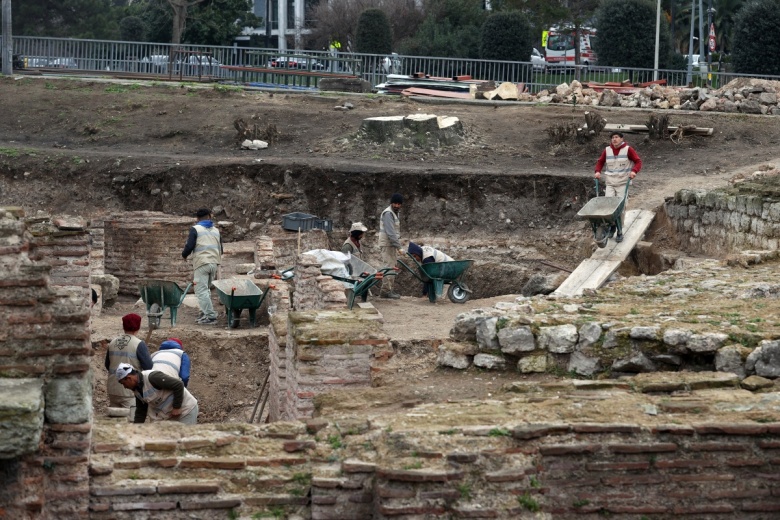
[335, 442]
[465, 491]
[529, 502]
[10, 152]
[414, 465]
[116, 89]
[499, 432]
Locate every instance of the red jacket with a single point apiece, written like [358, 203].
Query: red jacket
[632, 156]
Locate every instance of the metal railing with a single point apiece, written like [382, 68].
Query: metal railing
[306, 68]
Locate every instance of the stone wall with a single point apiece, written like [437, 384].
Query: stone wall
[718, 222]
[146, 245]
[313, 290]
[45, 431]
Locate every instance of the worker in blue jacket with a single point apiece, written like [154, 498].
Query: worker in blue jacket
[172, 360]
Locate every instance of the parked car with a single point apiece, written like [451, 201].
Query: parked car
[155, 64]
[17, 61]
[297, 63]
[537, 60]
[63, 63]
[199, 65]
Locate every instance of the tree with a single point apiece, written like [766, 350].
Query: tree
[506, 36]
[132, 29]
[373, 35]
[180, 8]
[451, 29]
[756, 44]
[96, 19]
[626, 34]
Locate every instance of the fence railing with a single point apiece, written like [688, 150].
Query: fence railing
[306, 68]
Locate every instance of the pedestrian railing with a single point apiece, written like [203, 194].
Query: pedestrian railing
[304, 69]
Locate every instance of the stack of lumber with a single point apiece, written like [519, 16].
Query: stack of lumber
[420, 84]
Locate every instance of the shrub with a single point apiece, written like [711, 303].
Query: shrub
[506, 36]
[373, 34]
[756, 45]
[626, 35]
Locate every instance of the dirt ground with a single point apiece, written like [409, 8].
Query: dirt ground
[89, 147]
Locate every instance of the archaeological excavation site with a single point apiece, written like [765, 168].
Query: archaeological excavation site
[558, 374]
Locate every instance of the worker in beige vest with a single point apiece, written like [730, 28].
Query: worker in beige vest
[171, 359]
[390, 243]
[128, 349]
[205, 244]
[160, 396]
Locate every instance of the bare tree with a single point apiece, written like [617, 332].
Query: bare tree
[337, 20]
[180, 8]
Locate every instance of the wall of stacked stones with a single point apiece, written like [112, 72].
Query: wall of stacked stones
[146, 245]
[46, 405]
[516, 339]
[716, 222]
[354, 469]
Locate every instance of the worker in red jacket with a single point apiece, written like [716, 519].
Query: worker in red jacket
[619, 162]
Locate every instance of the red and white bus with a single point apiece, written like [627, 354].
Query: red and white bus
[559, 47]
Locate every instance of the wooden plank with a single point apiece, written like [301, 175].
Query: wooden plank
[415, 91]
[594, 271]
[636, 129]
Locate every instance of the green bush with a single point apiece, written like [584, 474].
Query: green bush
[756, 44]
[451, 29]
[506, 36]
[626, 35]
[373, 34]
[132, 29]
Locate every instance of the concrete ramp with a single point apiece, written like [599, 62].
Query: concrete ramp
[594, 271]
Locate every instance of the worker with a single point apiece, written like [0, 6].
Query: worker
[622, 163]
[205, 242]
[426, 255]
[390, 243]
[172, 360]
[128, 349]
[352, 243]
[160, 396]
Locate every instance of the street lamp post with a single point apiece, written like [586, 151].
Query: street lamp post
[657, 39]
[689, 79]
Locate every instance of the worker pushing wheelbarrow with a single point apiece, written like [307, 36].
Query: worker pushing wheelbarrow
[605, 215]
[435, 270]
[361, 277]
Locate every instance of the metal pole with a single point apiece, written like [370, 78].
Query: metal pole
[689, 78]
[267, 24]
[8, 42]
[710, 12]
[701, 32]
[657, 38]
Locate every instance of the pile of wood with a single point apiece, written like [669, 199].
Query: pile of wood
[421, 84]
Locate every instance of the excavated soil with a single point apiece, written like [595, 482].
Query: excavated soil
[506, 194]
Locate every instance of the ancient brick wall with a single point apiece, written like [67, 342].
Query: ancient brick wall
[717, 222]
[313, 290]
[347, 468]
[328, 351]
[146, 245]
[45, 348]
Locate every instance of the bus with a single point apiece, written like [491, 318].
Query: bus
[559, 47]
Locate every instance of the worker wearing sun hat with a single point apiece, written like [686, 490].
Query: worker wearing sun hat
[172, 360]
[128, 349]
[159, 395]
[352, 244]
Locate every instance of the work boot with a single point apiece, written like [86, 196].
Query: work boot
[619, 237]
[391, 295]
[207, 321]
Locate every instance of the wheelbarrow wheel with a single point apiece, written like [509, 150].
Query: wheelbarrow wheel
[234, 316]
[155, 314]
[601, 235]
[458, 293]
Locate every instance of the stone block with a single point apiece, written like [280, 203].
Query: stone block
[21, 416]
[516, 339]
[69, 401]
[559, 339]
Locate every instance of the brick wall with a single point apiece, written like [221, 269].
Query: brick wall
[45, 340]
[357, 469]
[146, 245]
[313, 290]
[328, 351]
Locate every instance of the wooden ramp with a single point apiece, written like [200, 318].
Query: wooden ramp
[594, 271]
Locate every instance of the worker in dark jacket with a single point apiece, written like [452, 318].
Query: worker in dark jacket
[159, 395]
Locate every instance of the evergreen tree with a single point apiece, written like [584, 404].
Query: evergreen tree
[756, 47]
[451, 29]
[506, 36]
[132, 29]
[96, 19]
[373, 34]
[625, 35]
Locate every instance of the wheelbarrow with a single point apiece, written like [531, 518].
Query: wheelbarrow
[604, 213]
[237, 294]
[159, 295]
[439, 274]
[362, 277]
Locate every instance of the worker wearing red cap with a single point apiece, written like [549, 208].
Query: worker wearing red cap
[126, 348]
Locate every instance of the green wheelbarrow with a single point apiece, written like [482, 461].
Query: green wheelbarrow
[439, 274]
[237, 294]
[362, 277]
[159, 295]
[604, 213]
